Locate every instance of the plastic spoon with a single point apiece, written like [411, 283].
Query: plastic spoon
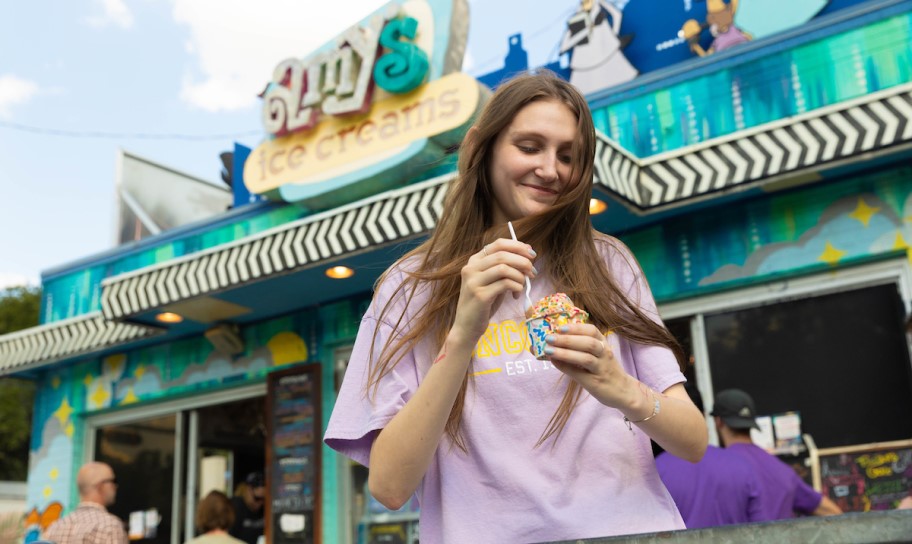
[528, 283]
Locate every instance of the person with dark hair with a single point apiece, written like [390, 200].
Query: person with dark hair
[90, 522]
[720, 489]
[782, 492]
[248, 505]
[214, 516]
[441, 397]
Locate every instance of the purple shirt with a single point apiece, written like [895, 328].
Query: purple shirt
[721, 489]
[599, 479]
[782, 491]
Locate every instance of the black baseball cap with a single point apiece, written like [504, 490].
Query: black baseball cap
[736, 408]
[255, 479]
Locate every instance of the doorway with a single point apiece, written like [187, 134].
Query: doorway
[167, 456]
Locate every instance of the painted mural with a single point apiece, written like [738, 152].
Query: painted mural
[782, 234]
[597, 44]
[763, 88]
[69, 393]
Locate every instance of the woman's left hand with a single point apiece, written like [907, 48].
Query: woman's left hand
[583, 353]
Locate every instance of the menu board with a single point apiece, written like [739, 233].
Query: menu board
[866, 477]
[293, 456]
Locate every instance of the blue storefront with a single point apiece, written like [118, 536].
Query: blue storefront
[762, 180]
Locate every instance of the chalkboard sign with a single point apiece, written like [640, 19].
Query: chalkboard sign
[293, 456]
[866, 477]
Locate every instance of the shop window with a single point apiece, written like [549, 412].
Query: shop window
[142, 456]
[840, 360]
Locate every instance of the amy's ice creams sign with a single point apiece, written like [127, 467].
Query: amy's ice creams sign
[385, 94]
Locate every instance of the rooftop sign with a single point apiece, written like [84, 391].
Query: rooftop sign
[385, 94]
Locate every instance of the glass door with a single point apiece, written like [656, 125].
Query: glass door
[142, 454]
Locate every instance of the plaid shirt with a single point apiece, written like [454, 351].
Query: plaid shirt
[90, 523]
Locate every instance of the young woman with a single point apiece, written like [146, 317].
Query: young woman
[441, 397]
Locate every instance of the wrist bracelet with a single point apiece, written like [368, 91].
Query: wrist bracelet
[655, 412]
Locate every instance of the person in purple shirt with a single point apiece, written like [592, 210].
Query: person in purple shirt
[720, 489]
[782, 492]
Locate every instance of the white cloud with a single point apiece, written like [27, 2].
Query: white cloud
[15, 280]
[14, 91]
[113, 12]
[236, 45]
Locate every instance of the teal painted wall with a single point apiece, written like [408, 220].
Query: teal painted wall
[67, 394]
[822, 226]
[784, 83]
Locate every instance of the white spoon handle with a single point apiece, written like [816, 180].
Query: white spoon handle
[528, 283]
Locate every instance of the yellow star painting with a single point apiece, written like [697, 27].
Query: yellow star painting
[831, 255]
[63, 412]
[863, 212]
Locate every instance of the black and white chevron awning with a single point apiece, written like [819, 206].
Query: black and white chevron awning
[385, 219]
[65, 339]
[782, 148]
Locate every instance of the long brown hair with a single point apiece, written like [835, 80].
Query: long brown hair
[562, 233]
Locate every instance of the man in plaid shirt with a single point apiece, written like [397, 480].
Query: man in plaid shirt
[90, 522]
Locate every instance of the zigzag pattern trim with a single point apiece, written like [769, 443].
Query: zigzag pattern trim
[785, 147]
[387, 218]
[64, 339]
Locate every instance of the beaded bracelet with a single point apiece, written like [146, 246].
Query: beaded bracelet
[655, 412]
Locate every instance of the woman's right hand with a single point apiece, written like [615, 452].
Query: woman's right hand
[500, 267]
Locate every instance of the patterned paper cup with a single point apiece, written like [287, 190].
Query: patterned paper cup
[540, 327]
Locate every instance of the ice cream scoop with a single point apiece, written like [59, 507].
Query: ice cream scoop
[547, 316]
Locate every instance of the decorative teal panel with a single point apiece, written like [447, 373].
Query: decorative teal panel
[77, 293]
[758, 91]
[826, 225]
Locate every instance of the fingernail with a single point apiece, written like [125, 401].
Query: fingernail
[550, 339]
[534, 270]
[565, 328]
[549, 350]
[532, 252]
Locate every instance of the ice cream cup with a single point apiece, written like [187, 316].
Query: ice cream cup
[541, 326]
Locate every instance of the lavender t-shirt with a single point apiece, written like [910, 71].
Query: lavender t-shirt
[782, 491]
[597, 479]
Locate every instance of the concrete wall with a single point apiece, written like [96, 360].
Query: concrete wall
[853, 528]
[12, 497]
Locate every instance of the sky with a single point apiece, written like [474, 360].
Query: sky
[171, 81]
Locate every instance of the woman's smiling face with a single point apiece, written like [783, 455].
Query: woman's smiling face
[531, 160]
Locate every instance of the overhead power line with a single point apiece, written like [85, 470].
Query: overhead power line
[125, 135]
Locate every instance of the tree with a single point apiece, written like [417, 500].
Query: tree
[19, 309]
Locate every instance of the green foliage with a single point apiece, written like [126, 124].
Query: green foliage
[19, 309]
[16, 401]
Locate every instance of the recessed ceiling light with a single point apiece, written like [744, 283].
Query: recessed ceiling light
[339, 272]
[596, 206]
[169, 317]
